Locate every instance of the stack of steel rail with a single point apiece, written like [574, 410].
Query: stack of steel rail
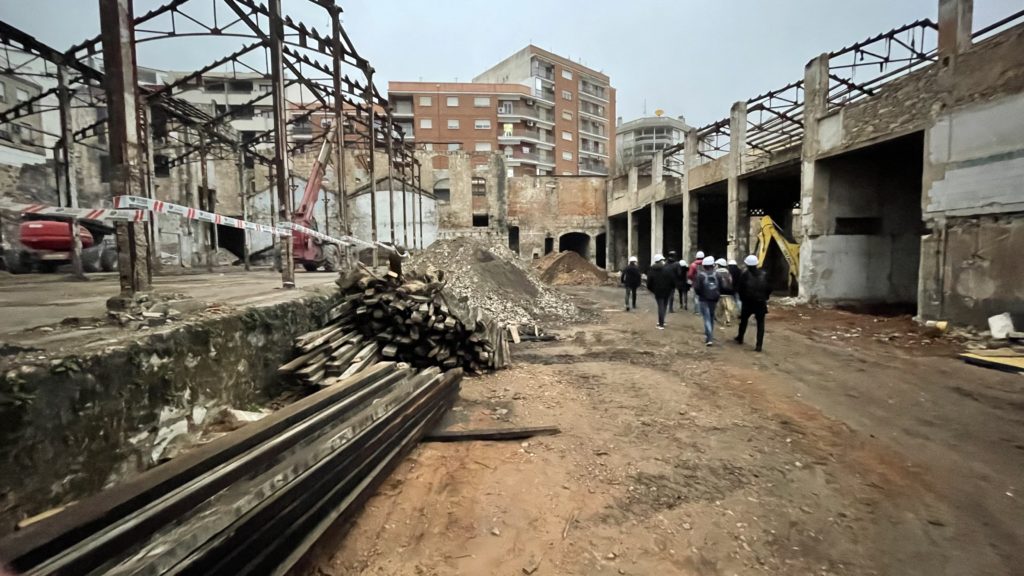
[253, 501]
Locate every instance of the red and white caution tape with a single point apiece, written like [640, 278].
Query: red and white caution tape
[81, 213]
[343, 241]
[162, 207]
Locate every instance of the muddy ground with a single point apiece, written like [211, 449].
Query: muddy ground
[852, 445]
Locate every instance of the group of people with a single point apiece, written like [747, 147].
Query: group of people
[713, 282]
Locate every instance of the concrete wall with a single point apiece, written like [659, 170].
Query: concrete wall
[550, 206]
[359, 208]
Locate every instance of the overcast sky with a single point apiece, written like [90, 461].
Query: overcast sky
[687, 57]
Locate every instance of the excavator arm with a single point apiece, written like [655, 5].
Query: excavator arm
[790, 250]
[303, 215]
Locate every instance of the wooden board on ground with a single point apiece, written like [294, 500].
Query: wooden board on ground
[490, 434]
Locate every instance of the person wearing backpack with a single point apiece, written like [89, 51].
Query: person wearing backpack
[754, 292]
[707, 290]
[631, 279]
[691, 278]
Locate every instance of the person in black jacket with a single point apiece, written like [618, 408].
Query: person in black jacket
[630, 278]
[675, 270]
[754, 292]
[662, 285]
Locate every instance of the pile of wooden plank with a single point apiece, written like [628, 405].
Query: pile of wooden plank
[412, 320]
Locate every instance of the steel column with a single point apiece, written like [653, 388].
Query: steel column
[121, 87]
[281, 136]
[66, 169]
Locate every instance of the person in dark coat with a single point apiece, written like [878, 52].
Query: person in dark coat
[735, 272]
[631, 279]
[662, 285]
[675, 270]
[754, 292]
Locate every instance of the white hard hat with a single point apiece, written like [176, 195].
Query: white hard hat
[699, 255]
[658, 257]
[632, 258]
[750, 260]
[732, 262]
[709, 261]
[721, 262]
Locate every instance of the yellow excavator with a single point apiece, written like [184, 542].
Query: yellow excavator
[790, 250]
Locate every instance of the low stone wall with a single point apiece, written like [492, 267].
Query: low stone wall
[73, 425]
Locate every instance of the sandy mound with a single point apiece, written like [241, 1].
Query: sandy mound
[569, 269]
[492, 277]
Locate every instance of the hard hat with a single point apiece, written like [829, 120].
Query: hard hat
[709, 261]
[750, 260]
[732, 262]
[721, 262]
[699, 255]
[658, 257]
[632, 258]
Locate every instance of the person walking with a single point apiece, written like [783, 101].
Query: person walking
[735, 272]
[706, 288]
[631, 279]
[675, 270]
[683, 285]
[727, 305]
[662, 285]
[754, 292]
[691, 278]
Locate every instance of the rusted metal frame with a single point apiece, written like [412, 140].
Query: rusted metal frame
[274, 40]
[30, 45]
[90, 45]
[305, 34]
[777, 92]
[344, 42]
[851, 86]
[918, 24]
[354, 88]
[854, 66]
[14, 112]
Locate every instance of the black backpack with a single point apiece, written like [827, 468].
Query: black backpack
[710, 289]
[757, 286]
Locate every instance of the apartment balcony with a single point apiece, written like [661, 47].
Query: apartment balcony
[594, 92]
[543, 73]
[515, 113]
[546, 97]
[525, 135]
[519, 158]
[593, 169]
[594, 151]
[595, 114]
[588, 131]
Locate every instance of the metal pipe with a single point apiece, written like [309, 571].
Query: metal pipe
[372, 131]
[389, 146]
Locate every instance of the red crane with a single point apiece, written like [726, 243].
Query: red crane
[311, 252]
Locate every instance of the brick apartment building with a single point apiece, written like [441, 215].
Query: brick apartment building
[547, 114]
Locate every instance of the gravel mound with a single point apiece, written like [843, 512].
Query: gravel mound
[490, 276]
[569, 269]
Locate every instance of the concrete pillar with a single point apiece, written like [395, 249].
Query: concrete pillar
[632, 241]
[592, 249]
[738, 227]
[633, 179]
[813, 176]
[658, 167]
[955, 21]
[689, 227]
[657, 229]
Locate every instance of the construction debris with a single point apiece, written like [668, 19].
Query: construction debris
[414, 321]
[489, 276]
[491, 434]
[568, 268]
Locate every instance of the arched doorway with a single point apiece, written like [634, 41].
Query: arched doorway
[578, 242]
[442, 191]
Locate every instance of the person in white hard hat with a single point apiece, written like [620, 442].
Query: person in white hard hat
[691, 277]
[661, 283]
[726, 310]
[754, 292]
[708, 291]
[631, 279]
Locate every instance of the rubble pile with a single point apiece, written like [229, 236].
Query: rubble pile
[489, 276]
[414, 320]
[568, 268]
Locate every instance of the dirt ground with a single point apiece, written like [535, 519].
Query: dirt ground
[851, 446]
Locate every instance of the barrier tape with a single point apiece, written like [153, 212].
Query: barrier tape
[80, 213]
[162, 207]
[344, 240]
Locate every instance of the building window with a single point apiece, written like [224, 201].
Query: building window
[482, 102]
[479, 186]
[567, 136]
[482, 147]
[526, 149]
[428, 147]
[453, 146]
[567, 74]
[566, 95]
[453, 101]
[426, 123]
[566, 115]
[265, 88]
[453, 124]
[25, 133]
[566, 155]
[482, 125]
[480, 220]
[442, 191]
[426, 101]
[21, 94]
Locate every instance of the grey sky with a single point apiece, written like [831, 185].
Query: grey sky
[690, 57]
